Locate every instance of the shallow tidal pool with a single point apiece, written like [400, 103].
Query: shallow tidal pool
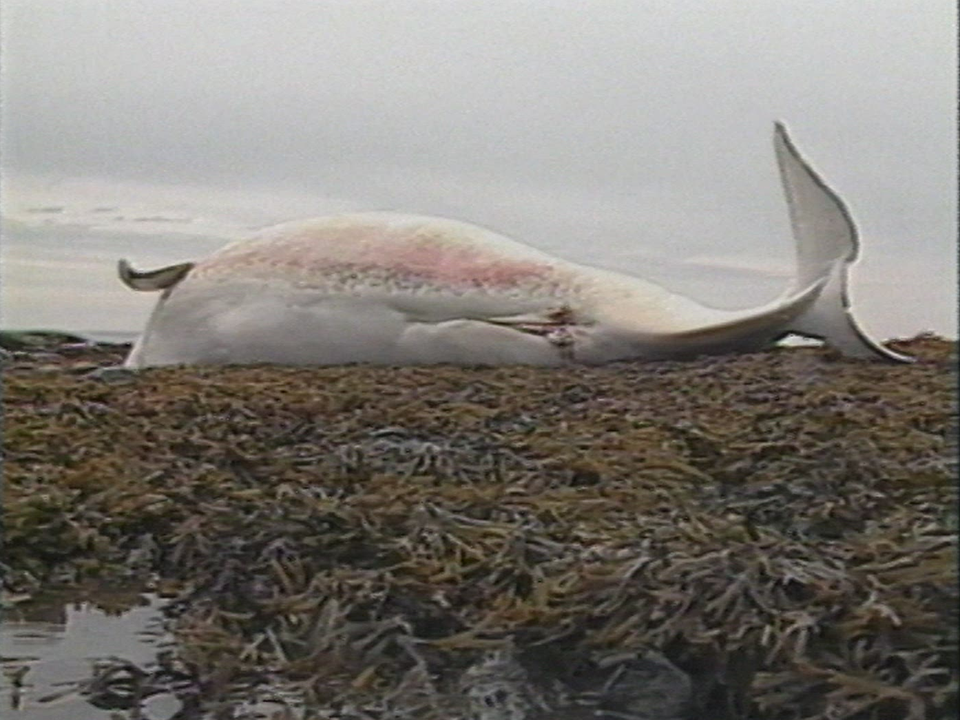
[49, 650]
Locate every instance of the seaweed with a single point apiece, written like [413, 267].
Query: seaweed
[768, 536]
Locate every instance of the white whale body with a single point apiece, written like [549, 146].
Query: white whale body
[397, 289]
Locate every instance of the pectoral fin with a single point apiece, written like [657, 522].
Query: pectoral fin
[161, 279]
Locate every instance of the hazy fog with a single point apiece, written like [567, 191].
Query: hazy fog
[634, 135]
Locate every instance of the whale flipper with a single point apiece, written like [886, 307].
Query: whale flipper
[162, 279]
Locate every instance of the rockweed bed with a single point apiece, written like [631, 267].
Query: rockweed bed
[781, 527]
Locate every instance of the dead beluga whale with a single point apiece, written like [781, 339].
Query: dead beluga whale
[397, 289]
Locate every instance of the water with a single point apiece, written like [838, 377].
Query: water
[64, 278]
[48, 646]
[60, 248]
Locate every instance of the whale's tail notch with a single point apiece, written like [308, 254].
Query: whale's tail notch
[826, 244]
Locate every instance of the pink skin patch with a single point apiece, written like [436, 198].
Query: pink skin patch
[454, 266]
[349, 254]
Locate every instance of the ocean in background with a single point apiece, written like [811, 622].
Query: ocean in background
[63, 277]
[59, 247]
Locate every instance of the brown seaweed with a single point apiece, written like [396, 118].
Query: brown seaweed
[779, 527]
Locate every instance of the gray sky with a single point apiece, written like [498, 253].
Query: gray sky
[630, 134]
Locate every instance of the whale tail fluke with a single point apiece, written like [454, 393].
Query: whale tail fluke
[826, 244]
[162, 279]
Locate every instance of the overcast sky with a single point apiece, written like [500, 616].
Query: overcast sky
[630, 134]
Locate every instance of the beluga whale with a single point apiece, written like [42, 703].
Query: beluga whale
[396, 289]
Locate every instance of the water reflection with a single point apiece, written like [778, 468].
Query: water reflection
[49, 647]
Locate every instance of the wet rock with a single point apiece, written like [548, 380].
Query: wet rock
[36, 339]
[636, 686]
[113, 374]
